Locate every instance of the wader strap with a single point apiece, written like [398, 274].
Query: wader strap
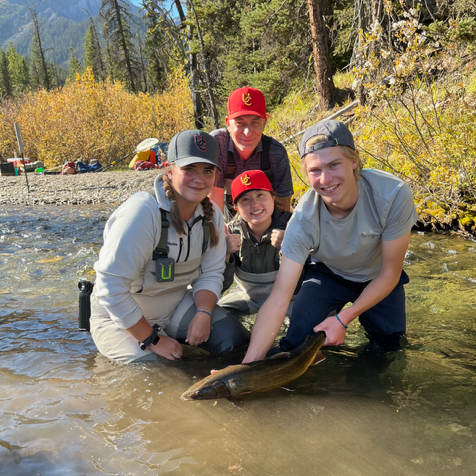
[230, 166]
[265, 165]
[162, 250]
[206, 234]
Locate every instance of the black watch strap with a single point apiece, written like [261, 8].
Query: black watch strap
[152, 339]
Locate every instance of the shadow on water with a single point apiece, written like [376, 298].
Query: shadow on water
[64, 409]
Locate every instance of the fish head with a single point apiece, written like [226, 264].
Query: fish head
[206, 390]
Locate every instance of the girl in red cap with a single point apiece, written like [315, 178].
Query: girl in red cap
[253, 244]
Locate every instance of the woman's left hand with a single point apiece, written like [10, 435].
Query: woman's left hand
[199, 329]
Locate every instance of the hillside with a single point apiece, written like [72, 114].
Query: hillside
[62, 22]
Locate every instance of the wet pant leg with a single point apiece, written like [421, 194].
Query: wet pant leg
[238, 303]
[385, 323]
[226, 333]
[323, 292]
[319, 295]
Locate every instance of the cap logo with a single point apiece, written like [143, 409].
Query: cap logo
[247, 100]
[200, 142]
[245, 180]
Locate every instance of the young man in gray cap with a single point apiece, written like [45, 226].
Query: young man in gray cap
[244, 147]
[356, 225]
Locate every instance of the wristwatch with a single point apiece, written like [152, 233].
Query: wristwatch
[152, 339]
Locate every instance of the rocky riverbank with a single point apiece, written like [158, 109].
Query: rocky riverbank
[88, 188]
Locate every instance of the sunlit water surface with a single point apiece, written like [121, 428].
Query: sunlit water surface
[64, 410]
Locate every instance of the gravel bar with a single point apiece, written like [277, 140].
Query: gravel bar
[78, 189]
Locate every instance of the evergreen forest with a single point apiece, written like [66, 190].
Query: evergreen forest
[400, 73]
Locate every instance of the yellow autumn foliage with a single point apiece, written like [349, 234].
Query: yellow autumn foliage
[89, 120]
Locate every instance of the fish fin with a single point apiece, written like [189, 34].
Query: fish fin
[319, 358]
[281, 355]
[333, 313]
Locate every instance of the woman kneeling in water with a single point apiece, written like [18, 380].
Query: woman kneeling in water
[142, 305]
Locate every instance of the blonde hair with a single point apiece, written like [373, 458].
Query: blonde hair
[347, 152]
[176, 217]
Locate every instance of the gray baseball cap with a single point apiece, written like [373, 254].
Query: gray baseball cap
[337, 134]
[191, 147]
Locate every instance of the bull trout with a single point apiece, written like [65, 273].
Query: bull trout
[259, 376]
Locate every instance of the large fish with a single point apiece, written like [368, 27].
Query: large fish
[261, 375]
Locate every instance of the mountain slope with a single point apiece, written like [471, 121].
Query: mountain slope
[61, 22]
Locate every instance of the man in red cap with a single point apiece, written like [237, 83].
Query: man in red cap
[244, 147]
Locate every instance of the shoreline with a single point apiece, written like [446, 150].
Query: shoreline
[76, 189]
[113, 188]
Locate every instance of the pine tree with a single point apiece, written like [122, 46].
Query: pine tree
[74, 65]
[142, 64]
[5, 80]
[18, 69]
[38, 54]
[92, 52]
[319, 10]
[156, 58]
[116, 15]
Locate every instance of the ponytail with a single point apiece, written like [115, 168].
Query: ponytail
[208, 210]
[175, 215]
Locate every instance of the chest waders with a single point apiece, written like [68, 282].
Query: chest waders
[165, 266]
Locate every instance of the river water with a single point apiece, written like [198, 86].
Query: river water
[65, 410]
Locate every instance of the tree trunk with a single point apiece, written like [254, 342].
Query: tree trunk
[321, 53]
[41, 53]
[211, 98]
[192, 64]
[125, 49]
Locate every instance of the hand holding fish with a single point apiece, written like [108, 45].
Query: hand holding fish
[334, 329]
[261, 375]
[277, 237]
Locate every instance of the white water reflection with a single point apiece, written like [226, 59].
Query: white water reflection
[66, 410]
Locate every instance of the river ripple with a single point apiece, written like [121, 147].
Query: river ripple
[66, 410]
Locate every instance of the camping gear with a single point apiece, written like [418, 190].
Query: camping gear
[144, 145]
[144, 165]
[93, 166]
[68, 168]
[142, 156]
[7, 169]
[158, 153]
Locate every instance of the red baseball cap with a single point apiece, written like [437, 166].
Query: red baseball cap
[246, 100]
[251, 180]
